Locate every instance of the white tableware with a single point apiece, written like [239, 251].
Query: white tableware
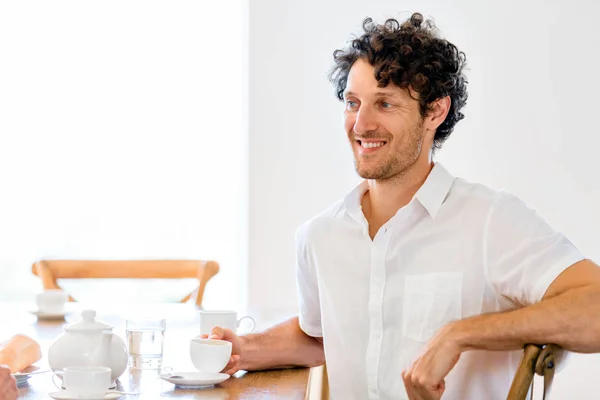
[89, 343]
[49, 316]
[210, 355]
[194, 380]
[64, 395]
[86, 382]
[23, 376]
[225, 319]
[51, 301]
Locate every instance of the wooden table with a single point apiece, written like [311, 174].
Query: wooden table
[182, 325]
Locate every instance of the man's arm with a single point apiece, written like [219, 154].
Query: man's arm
[567, 316]
[282, 346]
[285, 345]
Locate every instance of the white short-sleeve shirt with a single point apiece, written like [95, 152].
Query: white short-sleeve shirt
[456, 250]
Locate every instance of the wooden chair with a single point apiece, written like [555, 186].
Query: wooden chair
[539, 360]
[51, 270]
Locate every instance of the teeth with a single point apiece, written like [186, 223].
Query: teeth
[370, 145]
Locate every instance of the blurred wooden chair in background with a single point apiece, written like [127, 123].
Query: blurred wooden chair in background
[51, 270]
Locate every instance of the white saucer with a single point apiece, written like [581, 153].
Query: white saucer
[24, 375]
[64, 395]
[48, 316]
[195, 380]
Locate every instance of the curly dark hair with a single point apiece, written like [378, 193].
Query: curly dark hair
[409, 55]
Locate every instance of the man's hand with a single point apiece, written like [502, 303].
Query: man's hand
[424, 380]
[236, 349]
[8, 384]
[284, 345]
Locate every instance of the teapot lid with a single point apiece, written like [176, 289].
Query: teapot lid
[88, 323]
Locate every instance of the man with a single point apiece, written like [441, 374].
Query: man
[417, 283]
[8, 384]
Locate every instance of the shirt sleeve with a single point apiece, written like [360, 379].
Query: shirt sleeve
[308, 290]
[523, 254]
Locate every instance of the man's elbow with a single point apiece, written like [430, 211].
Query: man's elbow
[316, 361]
[318, 353]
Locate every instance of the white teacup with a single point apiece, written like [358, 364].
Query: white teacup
[51, 301]
[85, 382]
[210, 355]
[226, 319]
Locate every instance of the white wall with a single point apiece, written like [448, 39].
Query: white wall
[122, 135]
[298, 161]
[530, 122]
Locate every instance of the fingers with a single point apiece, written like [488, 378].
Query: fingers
[419, 387]
[217, 333]
[12, 384]
[233, 366]
[222, 334]
[410, 390]
[8, 387]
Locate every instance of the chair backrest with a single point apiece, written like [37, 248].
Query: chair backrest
[51, 270]
[536, 359]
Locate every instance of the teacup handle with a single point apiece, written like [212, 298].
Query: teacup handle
[251, 319]
[59, 374]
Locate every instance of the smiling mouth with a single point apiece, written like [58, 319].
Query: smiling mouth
[371, 144]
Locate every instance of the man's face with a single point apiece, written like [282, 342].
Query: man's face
[384, 125]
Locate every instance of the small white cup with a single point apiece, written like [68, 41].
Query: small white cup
[210, 355]
[51, 301]
[226, 319]
[86, 382]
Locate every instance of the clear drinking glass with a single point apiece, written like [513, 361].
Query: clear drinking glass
[145, 341]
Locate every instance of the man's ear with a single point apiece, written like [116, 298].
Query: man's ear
[438, 110]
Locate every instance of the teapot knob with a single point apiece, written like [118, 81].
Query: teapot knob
[88, 315]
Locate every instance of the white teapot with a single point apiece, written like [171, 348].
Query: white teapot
[89, 343]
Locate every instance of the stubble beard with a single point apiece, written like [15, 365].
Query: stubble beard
[396, 164]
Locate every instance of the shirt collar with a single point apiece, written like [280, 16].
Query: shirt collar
[431, 194]
[435, 189]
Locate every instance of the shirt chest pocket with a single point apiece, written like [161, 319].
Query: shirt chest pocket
[430, 302]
